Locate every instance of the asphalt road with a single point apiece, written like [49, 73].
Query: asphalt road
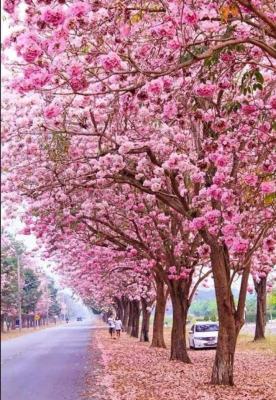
[46, 365]
[270, 328]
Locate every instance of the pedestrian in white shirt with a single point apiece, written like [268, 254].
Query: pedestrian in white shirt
[111, 324]
[118, 326]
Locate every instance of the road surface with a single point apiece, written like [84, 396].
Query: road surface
[46, 365]
[270, 328]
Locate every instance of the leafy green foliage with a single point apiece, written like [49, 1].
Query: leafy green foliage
[204, 308]
[271, 300]
[251, 81]
[190, 55]
[54, 308]
[30, 292]
[8, 283]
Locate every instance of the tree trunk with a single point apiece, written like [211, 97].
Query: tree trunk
[105, 317]
[119, 308]
[179, 297]
[126, 314]
[260, 288]
[222, 373]
[2, 323]
[159, 315]
[135, 319]
[130, 318]
[144, 336]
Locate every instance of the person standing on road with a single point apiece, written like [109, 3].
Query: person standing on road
[118, 326]
[111, 324]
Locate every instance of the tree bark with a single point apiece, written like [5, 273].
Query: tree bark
[179, 296]
[130, 319]
[260, 288]
[126, 313]
[136, 319]
[159, 316]
[8, 321]
[119, 308]
[144, 335]
[2, 323]
[105, 317]
[222, 373]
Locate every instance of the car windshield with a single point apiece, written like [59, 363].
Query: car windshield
[207, 328]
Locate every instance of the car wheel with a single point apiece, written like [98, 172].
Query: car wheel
[193, 345]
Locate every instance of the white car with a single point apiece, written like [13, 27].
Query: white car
[203, 335]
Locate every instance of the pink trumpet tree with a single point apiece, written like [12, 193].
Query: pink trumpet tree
[175, 99]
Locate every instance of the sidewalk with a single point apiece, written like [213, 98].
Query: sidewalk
[131, 370]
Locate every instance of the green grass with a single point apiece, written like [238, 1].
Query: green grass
[245, 342]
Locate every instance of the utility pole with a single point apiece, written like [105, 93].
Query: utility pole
[19, 292]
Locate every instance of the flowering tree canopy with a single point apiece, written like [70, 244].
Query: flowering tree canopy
[154, 114]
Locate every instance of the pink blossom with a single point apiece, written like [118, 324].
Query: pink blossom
[215, 192]
[189, 16]
[32, 52]
[52, 111]
[111, 61]
[125, 30]
[239, 246]
[55, 47]
[78, 83]
[198, 177]
[219, 178]
[229, 230]
[198, 223]
[9, 6]
[155, 87]
[221, 161]
[225, 83]
[26, 231]
[53, 17]
[170, 110]
[75, 70]
[249, 109]
[212, 216]
[250, 179]
[205, 90]
[172, 270]
[268, 187]
[37, 77]
[269, 244]
[219, 125]
[173, 44]
[78, 9]
[272, 102]
[227, 198]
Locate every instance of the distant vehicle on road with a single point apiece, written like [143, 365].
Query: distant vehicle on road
[203, 335]
[79, 319]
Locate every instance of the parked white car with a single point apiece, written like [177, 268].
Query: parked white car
[203, 335]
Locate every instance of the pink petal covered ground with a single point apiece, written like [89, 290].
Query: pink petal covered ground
[133, 371]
